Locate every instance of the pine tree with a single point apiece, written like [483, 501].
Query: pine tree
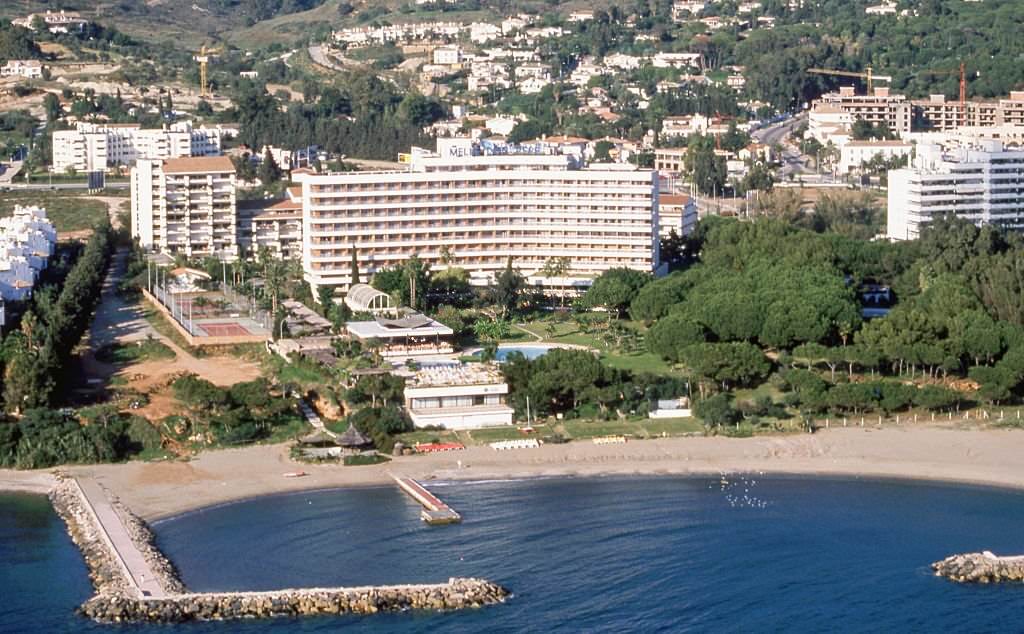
[269, 172]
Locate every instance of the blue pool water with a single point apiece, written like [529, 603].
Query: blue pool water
[530, 352]
[597, 555]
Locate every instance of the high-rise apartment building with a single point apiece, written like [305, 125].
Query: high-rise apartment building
[473, 206]
[982, 182]
[185, 205]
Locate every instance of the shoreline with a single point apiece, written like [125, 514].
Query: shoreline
[159, 491]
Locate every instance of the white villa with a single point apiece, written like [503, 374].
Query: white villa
[465, 396]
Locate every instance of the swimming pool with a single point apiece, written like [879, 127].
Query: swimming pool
[530, 352]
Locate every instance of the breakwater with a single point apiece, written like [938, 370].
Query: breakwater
[134, 581]
[983, 567]
[457, 594]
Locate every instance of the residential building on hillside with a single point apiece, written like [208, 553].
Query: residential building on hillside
[98, 146]
[880, 107]
[56, 21]
[982, 182]
[26, 68]
[475, 204]
[185, 205]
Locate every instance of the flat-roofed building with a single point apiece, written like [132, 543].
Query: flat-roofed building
[476, 205]
[670, 159]
[982, 183]
[275, 224]
[412, 335]
[464, 396]
[97, 146]
[676, 212]
[185, 205]
[27, 68]
[880, 107]
[853, 154]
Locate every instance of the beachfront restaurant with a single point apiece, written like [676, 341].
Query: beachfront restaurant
[409, 336]
[464, 396]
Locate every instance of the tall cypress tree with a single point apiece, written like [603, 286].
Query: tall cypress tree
[355, 266]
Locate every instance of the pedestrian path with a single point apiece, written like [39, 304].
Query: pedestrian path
[140, 574]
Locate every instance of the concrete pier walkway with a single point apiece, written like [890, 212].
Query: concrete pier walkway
[133, 563]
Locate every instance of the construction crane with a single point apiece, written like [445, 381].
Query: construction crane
[204, 58]
[869, 76]
[962, 71]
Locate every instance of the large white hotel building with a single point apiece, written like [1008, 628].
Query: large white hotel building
[980, 181]
[471, 206]
[464, 206]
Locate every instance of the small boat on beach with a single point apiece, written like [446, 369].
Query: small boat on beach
[295, 474]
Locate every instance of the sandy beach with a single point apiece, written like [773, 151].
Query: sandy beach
[975, 456]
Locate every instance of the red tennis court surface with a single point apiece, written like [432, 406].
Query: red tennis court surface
[223, 330]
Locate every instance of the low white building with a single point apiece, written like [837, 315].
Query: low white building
[464, 396]
[853, 154]
[676, 212]
[447, 56]
[27, 68]
[978, 182]
[27, 241]
[56, 21]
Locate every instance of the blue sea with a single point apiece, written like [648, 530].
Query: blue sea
[596, 555]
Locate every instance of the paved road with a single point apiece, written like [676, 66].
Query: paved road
[9, 171]
[62, 186]
[140, 573]
[792, 161]
[116, 320]
[319, 54]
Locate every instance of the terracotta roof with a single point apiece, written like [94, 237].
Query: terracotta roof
[198, 165]
[673, 199]
[295, 191]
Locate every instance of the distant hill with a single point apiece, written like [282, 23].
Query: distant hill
[185, 22]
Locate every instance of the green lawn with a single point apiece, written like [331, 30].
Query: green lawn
[586, 429]
[125, 353]
[68, 212]
[569, 332]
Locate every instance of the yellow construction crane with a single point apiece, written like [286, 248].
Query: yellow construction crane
[869, 76]
[203, 57]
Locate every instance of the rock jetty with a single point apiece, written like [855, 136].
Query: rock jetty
[107, 575]
[118, 599]
[457, 594]
[983, 567]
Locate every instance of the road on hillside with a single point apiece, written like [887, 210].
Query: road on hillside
[792, 161]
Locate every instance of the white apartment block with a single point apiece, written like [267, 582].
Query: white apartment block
[98, 146]
[475, 205]
[27, 240]
[855, 153]
[26, 68]
[447, 56]
[185, 205]
[676, 212]
[982, 183]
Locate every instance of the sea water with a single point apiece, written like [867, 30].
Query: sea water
[744, 554]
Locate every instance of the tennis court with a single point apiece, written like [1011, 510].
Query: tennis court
[226, 329]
